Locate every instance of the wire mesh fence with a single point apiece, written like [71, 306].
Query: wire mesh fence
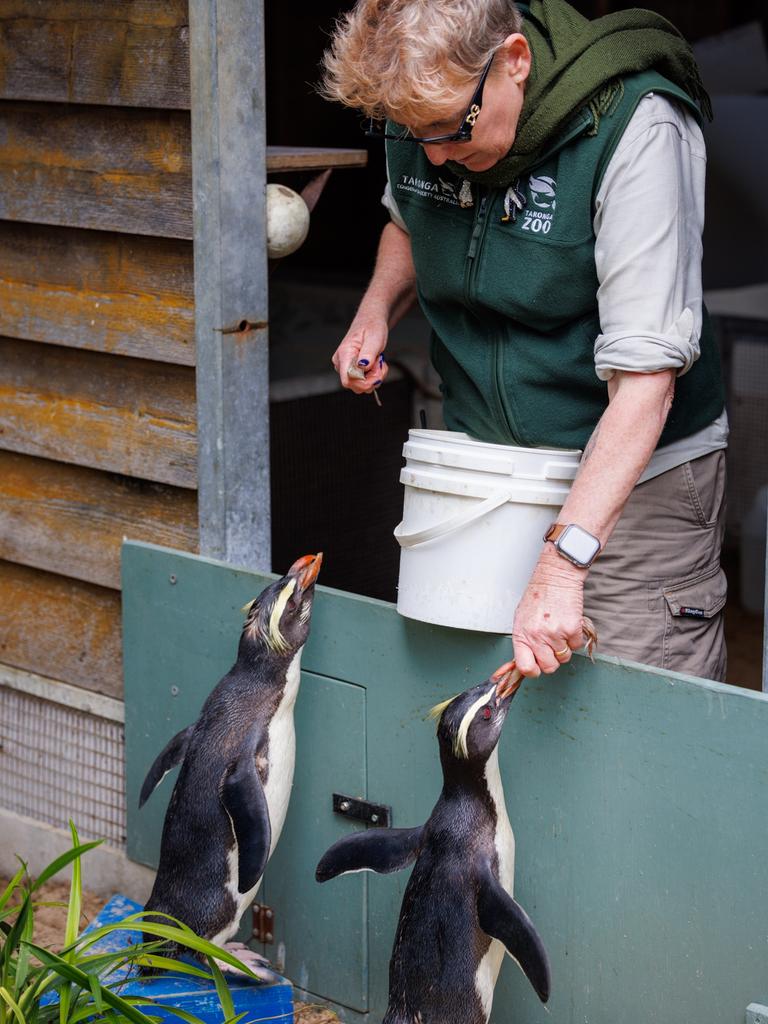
[59, 763]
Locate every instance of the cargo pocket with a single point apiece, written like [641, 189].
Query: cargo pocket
[694, 640]
[705, 480]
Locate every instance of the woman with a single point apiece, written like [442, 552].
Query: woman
[546, 184]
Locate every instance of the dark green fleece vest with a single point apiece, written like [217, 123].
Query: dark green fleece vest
[513, 304]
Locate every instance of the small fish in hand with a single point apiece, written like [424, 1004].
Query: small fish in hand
[356, 373]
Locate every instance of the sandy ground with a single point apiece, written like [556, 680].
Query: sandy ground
[49, 932]
[50, 921]
[310, 1013]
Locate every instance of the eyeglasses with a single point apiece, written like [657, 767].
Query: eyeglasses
[377, 129]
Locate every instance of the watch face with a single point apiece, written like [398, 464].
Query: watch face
[578, 544]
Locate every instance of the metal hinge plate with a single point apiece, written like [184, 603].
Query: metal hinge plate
[263, 923]
[362, 810]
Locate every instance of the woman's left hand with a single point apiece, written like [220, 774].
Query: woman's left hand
[548, 623]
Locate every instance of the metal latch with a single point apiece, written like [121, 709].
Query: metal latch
[362, 810]
[263, 923]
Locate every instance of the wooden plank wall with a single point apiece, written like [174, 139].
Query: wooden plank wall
[97, 386]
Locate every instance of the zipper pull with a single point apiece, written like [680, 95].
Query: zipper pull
[477, 228]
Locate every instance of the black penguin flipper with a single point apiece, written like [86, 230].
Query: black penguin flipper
[171, 755]
[378, 849]
[244, 800]
[504, 919]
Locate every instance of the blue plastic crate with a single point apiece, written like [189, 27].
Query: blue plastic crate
[259, 1002]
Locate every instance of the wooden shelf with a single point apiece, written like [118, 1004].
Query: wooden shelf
[312, 158]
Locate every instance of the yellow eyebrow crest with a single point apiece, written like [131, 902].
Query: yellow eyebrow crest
[460, 742]
[438, 709]
[275, 638]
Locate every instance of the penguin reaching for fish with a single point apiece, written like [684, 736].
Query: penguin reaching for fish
[230, 800]
[458, 915]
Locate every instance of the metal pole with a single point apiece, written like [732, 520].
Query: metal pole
[229, 185]
[765, 619]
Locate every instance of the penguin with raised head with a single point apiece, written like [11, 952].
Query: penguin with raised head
[458, 915]
[229, 803]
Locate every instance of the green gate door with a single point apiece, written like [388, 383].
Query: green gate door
[320, 930]
[639, 801]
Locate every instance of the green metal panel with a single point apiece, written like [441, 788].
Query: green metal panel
[639, 799]
[320, 932]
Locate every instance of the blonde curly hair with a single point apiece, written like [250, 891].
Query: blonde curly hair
[412, 60]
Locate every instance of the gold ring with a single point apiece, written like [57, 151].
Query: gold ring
[559, 654]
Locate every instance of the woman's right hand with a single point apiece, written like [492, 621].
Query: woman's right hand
[363, 347]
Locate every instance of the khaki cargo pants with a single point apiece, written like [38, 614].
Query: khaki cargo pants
[656, 593]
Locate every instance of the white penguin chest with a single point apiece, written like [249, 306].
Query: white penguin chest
[281, 753]
[504, 841]
[281, 758]
[505, 837]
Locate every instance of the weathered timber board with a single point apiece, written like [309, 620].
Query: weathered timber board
[312, 158]
[126, 53]
[72, 520]
[61, 628]
[127, 416]
[124, 294]
[112, 168]
[96, 167]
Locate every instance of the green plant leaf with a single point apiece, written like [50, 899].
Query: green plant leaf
[167, 963]
[222, 990]
[61, 862]
[75, 894]
[184, 1015]
[96, 993]
[72, 974]
[65, 1000]
[12, 885]
[22, 962]
[95, 963]
[12, 940]
[184, 936]
[6, 996]
[29, 1000]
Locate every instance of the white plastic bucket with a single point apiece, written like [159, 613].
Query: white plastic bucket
[474, 515]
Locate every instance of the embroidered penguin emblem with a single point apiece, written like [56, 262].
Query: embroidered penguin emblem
[543, 191]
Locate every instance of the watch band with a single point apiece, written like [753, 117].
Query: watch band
[556, 531]
[553, 533]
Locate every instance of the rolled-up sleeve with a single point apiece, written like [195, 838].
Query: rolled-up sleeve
[388, 200]
[649, 216]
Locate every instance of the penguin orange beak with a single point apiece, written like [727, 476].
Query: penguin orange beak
[508, 679]
[306, 569]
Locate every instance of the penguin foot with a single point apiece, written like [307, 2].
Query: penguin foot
[245, 953]
[253, 960]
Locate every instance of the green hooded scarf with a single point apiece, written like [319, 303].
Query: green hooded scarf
[579, 63]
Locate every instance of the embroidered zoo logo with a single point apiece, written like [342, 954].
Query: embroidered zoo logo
[543, 191]
[441, 190]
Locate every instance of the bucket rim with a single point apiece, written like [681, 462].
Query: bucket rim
[456, 437]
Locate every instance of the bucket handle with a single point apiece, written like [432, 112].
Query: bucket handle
[412, 540]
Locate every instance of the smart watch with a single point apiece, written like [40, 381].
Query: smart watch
[574, 543]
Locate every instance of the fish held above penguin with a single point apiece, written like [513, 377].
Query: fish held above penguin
[230, 800]
[458, 916]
